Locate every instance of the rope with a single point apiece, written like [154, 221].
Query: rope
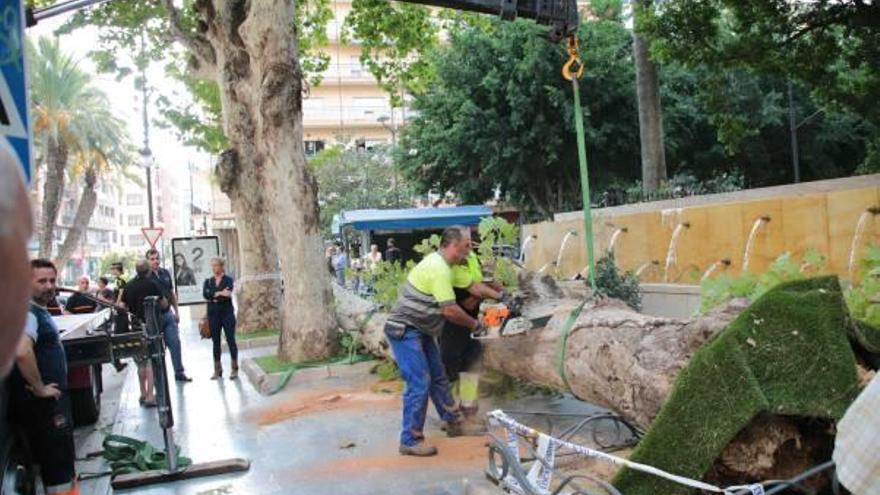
[129, 455]
[563, 341]
[514, 428]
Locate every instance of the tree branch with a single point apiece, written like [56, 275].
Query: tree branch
[198, 45]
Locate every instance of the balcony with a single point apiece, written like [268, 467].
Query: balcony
[347, 73]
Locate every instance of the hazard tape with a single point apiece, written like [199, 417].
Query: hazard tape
[547, 456]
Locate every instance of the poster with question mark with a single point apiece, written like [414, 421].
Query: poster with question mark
[192, 265]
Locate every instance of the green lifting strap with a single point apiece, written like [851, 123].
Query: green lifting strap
[129, 455]
[585, 180]
[563, 341]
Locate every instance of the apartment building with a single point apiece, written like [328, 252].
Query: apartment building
[348, 107]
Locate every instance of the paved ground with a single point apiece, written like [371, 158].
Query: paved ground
[327, 432]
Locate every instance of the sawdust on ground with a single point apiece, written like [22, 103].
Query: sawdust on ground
[461, 453]
[323, 401]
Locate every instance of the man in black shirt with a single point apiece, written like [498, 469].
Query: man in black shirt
[392, 254]
[79, 303]
[133, 295]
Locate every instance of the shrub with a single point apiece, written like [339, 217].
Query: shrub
[611, 283]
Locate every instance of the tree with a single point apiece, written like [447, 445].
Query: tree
[350, 179]
[498, 116]
[76, 134]
[251, 50]
[830, 49]
[650, 108]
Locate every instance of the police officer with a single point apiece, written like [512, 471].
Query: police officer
[40, 403]
[426, 302]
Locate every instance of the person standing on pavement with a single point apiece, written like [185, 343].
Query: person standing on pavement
[171, 318]
[40, 402]
[136, 290]
[79, 302]
[119, 280]
[217, 290]
[340, 264]
[392, 254]
[426, 302]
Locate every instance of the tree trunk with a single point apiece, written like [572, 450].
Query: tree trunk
[650, 111]
[56, 161]
[252, 47]
[616, 358]
[81, 219]
[259, 290]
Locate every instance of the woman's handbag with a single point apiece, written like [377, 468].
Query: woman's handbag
[204, 329]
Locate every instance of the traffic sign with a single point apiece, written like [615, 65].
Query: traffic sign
[152, 234]
[15, 129]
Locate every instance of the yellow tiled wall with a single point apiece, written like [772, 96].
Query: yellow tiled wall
[825, 221]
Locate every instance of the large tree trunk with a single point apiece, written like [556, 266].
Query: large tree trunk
[616, 358]
[650, 110]
[252, 50]
[56, 161]
[259, 290]
[81, 219]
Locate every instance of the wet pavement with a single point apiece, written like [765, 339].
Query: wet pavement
[327, 432]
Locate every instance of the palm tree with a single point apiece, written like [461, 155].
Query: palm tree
[73, 126]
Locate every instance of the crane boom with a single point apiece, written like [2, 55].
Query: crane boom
[560, 15]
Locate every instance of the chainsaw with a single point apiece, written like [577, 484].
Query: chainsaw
[506, 319]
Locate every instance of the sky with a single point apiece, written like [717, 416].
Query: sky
[169, 153]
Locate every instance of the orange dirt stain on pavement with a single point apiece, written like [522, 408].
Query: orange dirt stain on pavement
[324, 401]
[454, 454]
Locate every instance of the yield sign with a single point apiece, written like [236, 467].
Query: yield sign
[152, 234]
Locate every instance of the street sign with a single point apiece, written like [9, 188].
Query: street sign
[152, 234]
[15, 129]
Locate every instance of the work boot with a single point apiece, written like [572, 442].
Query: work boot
[218, 370]
[464, 429]
[420, 449]
[234, 374]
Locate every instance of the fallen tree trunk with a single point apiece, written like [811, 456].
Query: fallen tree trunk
[614, 356]
[626, 361]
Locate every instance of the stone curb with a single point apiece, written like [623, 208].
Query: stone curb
[263, 382]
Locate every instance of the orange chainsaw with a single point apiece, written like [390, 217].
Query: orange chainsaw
[505, 319]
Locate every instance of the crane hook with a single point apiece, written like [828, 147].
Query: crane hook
[573, 68]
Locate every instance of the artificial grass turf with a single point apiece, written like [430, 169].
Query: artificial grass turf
[787, 354]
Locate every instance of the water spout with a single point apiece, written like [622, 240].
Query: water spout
[750, 243]
[545, 267]
[614, 237]
[714, 267]
[525, 244]
[569, 235]
[672, 251]
[861, 227]
[650, 264]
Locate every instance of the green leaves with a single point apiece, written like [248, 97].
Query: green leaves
[610, 282]
[395, 40]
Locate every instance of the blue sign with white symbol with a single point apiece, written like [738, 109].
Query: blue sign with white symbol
[15, 127]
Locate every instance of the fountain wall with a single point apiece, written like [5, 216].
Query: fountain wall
[822, 215]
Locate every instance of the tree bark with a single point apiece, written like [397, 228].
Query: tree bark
[259, 291]
[650, 110]
[251, 47]
[616, 358]
[56, 161]
[84, 210]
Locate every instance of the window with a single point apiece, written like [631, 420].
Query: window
[313, 147]
[134, 199]
[135, 240]
[135, 220]
[356, 69]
